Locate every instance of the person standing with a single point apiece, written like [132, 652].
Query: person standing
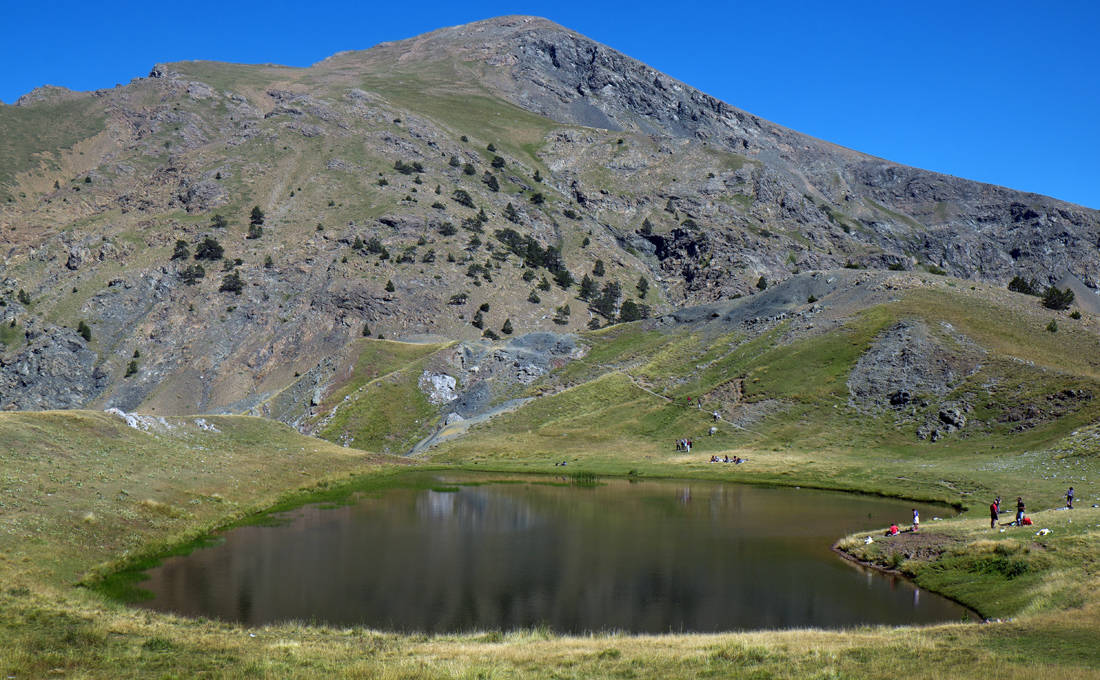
[1019, 510]
[916, 519]
[993, 511]
[1069, 498]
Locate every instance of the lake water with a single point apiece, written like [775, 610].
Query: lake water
[652, 556]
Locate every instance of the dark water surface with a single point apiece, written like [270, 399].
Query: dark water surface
[653, 556]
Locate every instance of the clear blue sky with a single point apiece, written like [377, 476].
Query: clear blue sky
[1003, 92]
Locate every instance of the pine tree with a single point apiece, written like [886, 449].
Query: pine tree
[366, 330]
[209, 249]
[608, 300]
[589, 289]
[762, 283]
[507, 327]
[599, 269]
[390, 287]
[257, 216]
[84, 330]
[182, 252]
[232, 283]
[643, 287]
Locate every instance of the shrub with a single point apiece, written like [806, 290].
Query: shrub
[497, 162]
[447, 229]
[439, 206]
[491, 334]
[254, 231]
[586, 242]
[1052, 327]
[643, 287]
[490, 181]
[491, 148]
[632, 311]
[428, 257]
[852, 265]
[461, 197]
[543, 285]
[938, 271]
[84, 330]
[182, 252]
[366, 330]
[594, 323]
[563, 278]
[464, 138]
[232, 283]
[268, 262]
[484, 306]
[811, 298]
[454, 162]
[1053, 298]
[219, 222]
[191, 275]
[534, 298]
[1075, 314]
[510, 214]
[1019, 284]
[528, 275]
[537, 198]
[209, 249]
[507, 327]
[896, 267]
[469, 169]
[762, 283]
[599, 269]
[390, 287]
[537, 176]
[571, 214]
[23, 298]
[131, 369]
[647, 227]
[458, 299]
[479, 320]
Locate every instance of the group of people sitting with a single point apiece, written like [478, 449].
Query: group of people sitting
[726, 459]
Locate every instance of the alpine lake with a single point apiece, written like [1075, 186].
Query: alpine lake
[452, 551]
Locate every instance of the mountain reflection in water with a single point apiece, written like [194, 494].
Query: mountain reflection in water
[646, 557]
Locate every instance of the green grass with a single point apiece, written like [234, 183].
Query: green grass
[11, 336]
[380, 406]
[31, 134]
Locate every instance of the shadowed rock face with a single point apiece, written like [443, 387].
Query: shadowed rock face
[615, 145]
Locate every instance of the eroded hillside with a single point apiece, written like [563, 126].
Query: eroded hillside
[456, 186]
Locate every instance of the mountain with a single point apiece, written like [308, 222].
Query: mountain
[430, 190]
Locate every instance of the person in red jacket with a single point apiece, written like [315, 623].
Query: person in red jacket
[994, 509]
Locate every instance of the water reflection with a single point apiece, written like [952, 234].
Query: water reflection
[647, 557]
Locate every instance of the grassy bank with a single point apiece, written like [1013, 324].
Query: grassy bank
[146, 489]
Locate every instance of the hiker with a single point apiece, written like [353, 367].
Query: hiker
[1019, 510]
[993, 510]
[1069, 498]
[716, 417]
[916, 520]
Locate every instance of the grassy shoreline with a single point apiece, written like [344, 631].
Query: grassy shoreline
[52, 628]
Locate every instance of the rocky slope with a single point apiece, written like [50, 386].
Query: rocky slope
[435, 186]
